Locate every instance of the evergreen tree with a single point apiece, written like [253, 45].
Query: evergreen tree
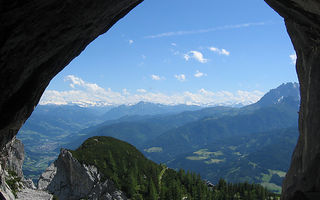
[152, 192]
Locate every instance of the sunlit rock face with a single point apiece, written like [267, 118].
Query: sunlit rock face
[39, 38]
[68, 179]
[302, 18]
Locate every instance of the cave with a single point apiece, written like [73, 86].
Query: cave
[39, 38]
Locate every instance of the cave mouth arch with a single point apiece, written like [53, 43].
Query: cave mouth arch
[255, 37]
[29, 60]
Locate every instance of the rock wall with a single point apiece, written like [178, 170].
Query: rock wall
[5, 190]
[14, 158]
[11, 161]
[68, 179]
[302, 18]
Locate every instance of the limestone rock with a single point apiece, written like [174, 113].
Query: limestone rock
[33, 194]
[28, 183]
[47, 176]
[5, 191]
[69, 179]
[14, 158]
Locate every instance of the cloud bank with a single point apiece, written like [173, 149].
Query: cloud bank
[86, 94]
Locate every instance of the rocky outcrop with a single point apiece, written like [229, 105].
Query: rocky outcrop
[68, 179]
[28, 193]
[14, 158]
[12, 183]
[11, 159]
[5, 190]
[39, 38]
[302, 18]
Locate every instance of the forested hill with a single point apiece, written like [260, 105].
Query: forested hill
[141, 178]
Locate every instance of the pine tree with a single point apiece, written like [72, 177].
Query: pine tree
[152, 192]
[132, 183]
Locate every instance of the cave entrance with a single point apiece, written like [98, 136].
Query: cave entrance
[193, 57]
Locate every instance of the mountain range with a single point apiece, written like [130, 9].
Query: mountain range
[185, 136]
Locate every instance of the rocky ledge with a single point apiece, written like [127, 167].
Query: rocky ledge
[67, 178]
[12, 183]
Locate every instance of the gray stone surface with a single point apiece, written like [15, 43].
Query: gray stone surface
[47, 176]
[68, 179]
[5, 191]
[28, 183]
[11, 158]
[15, 156]
[31, 194]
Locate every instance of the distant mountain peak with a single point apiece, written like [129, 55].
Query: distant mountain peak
[277, 95]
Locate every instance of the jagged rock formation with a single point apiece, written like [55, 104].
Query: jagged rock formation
[68, 179]
[5, 190]
[39, 38]
[11, 160]
[14, 156]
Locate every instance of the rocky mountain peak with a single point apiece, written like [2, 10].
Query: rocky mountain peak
[277, 95]
[68, 179]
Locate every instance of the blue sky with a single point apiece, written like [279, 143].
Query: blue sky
[203, 52]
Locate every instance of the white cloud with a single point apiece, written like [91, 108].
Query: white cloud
[78, 82]
[141, 90]
[173, 44]
[220, 28]
[131, 41]
[180, 77]
[156, 77]
[219, 51]
[186, 57]
[196, 55]
[84, 94]
[293, 58]
[199, 74]
[125, 92]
